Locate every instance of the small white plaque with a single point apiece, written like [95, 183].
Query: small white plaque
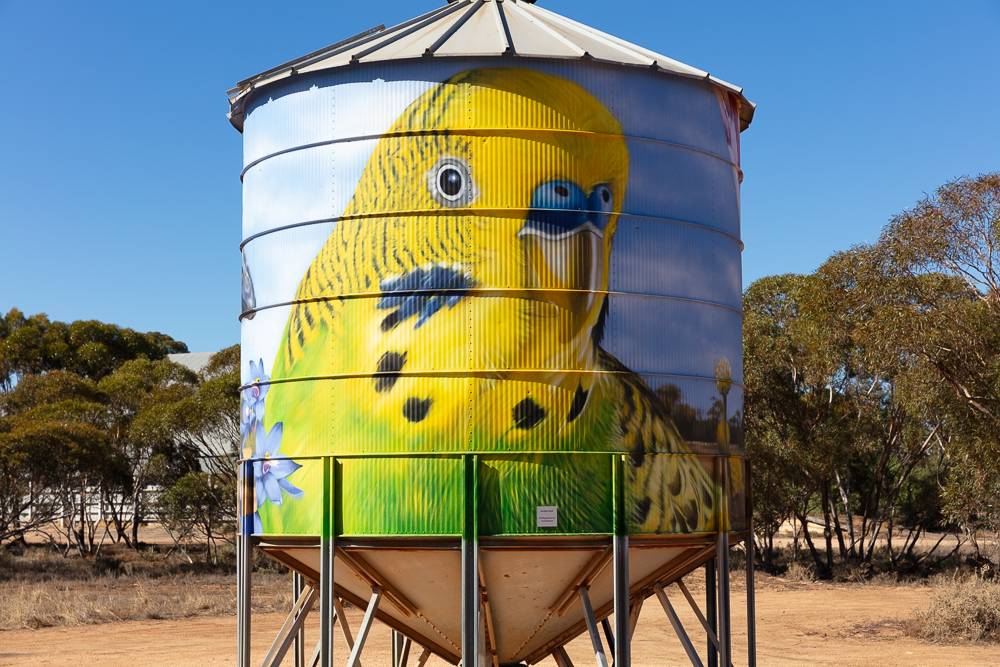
[547, 516]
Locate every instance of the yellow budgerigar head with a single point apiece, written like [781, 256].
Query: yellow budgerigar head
[526, 169]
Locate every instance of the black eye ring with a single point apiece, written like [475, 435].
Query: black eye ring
[606, 195]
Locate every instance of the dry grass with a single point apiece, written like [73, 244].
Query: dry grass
[800, 572]
[40, 589]
[966, 610]
[109, 598]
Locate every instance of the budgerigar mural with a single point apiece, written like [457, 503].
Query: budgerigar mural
[460, 304]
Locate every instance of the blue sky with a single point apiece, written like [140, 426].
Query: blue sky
[119, 191]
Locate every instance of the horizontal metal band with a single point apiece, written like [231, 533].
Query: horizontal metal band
[480, 374]
[488, 132]
[484, 292]
[488, 454]
[416, 212]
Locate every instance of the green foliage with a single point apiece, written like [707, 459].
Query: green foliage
[873, 383]
[88, 348]
[197, 503]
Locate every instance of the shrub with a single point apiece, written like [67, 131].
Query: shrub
[964, 610]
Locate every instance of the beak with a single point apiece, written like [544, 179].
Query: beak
[566, 264]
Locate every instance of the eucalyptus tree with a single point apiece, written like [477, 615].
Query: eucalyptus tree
[942, 261]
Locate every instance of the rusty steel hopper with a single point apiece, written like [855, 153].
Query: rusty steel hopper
[491, 331]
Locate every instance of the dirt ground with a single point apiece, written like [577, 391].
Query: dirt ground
[797, 624]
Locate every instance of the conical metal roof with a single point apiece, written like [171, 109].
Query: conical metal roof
[479, 28]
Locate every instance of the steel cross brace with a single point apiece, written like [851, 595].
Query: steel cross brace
[339, 615]
[287, 635]
[676, 623]
[678, 628]
[595, 638]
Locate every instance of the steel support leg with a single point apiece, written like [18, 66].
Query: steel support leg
[470, 603]
[623, 637]
[595, 637]
[299, 644]
[751, 601]
[326, 558]
[711, 612]
[472, 637]
[725, 634]
[244, 564]
[678, 628]
[622, 652]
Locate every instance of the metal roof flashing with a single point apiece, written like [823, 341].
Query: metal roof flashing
[478, 28]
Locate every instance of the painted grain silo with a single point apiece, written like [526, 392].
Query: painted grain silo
[491, 335]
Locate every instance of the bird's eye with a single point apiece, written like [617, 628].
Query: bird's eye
[562, 191]
[449, 182]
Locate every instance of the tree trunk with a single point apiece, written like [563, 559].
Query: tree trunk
[845, 497]
[135, 518]
[795, 538]
[820, 565]
[836, 526]
[827, 531]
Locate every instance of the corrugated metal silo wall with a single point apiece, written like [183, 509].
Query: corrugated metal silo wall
[458, 256]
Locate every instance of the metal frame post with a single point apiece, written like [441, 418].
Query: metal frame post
[299, 642]
[471, 599]
[751, 596]
[711, 612]
[623, 636]
[244, 562]
[327, 553]
[722, 559]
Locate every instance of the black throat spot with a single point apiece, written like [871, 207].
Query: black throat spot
[527, 414]
[415, 409]
[390, 321]
[389, 367]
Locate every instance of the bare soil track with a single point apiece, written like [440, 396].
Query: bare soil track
[798, 624]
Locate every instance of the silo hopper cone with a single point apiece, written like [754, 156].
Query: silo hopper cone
[529, 590]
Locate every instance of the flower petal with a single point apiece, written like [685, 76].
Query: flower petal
[290, 488]
[272, 489]
[258, 525]
[273, 439]
[282, 468]
[258, 492]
